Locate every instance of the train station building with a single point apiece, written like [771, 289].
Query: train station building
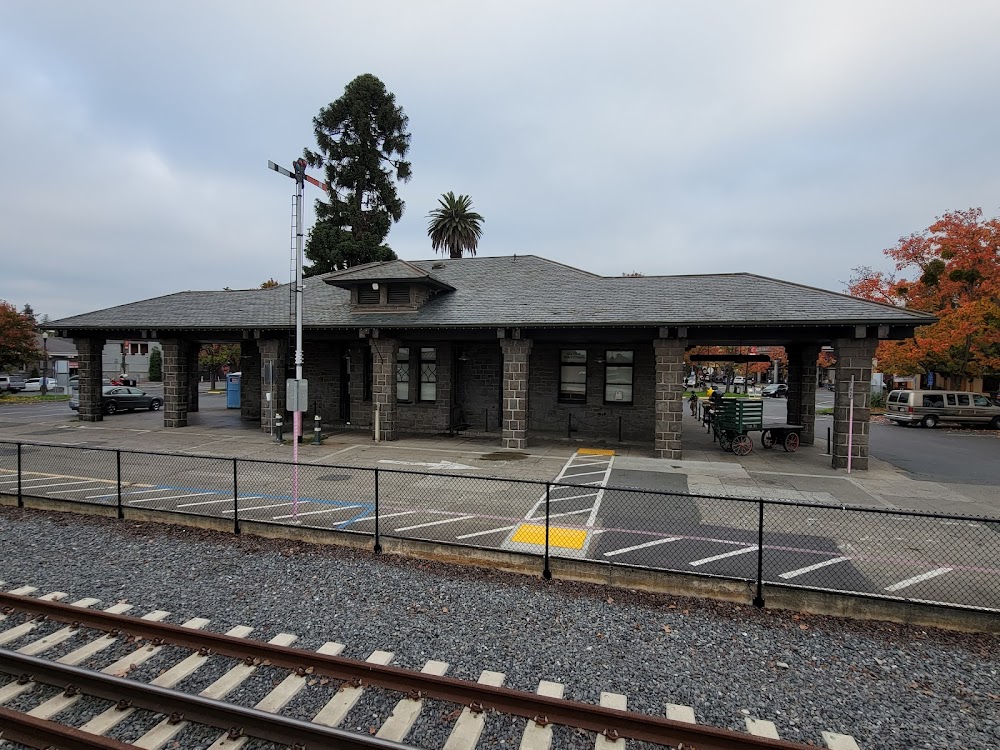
[510, 346]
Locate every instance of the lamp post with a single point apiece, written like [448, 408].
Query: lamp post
[45, 366]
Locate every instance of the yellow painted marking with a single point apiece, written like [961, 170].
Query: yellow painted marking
[558, 537]
[594, 452]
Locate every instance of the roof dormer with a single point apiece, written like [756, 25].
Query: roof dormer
[393, 285]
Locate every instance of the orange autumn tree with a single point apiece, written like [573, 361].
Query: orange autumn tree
[956, 264]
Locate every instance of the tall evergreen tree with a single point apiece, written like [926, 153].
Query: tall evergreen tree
[361, 144]
[455, 228]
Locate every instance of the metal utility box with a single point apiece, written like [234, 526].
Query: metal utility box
[233, 390]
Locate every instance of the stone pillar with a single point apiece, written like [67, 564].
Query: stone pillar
[273, 368]
[194, 347]
[854, 357]
[801, 406]
[384, 353]
[175, 382]
[91, 373]
[668, 402]
[250, 389]
[516, 354]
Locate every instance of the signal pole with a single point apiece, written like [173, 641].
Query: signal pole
[296, 390]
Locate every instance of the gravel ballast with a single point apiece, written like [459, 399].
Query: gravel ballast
[889, 686]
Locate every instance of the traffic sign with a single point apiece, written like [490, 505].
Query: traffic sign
[225, 369]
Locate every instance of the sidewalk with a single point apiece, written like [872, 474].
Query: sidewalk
[764, 473]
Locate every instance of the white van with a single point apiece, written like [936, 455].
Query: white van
[931, 408]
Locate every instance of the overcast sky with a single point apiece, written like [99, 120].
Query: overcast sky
[792, 139]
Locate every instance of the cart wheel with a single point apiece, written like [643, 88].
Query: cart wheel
[726, 440]
[766, 439]
[742, 445]
[792, 442]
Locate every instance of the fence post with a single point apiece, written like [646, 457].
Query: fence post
[378, 542]
[118, 475]
[547, 572]
[20, 496]
[619, 429]
[758, 601]
[569, 425]
[829, 449]
[236, 502]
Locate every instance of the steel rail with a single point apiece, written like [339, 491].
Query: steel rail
[39, 733]
[194, 708]
[599, 719]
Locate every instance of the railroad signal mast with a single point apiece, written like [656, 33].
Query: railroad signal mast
[297, 390]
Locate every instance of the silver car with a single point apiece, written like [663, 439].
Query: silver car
[116, 398]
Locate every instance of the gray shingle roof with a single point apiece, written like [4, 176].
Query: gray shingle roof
[390, 270]
[514, 291]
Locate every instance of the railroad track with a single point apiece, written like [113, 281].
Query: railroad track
[473, 704]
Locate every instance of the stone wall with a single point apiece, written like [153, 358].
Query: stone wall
[478, 375]
[669, 402]
[801, 402]
[250, 391]
[595, 418]
[516, 376]
[384, 385]
[322, 370]
[91, 373]
[427, 416]
[176, 359]
[854, 358]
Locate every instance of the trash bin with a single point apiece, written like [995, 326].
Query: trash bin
[233, 390]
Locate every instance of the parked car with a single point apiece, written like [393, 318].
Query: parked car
[115, 398]
[35, 384]
[931, 408]
[12, 383]
[739, 380]
[775, 390]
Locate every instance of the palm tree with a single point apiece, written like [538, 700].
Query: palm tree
[454, 226]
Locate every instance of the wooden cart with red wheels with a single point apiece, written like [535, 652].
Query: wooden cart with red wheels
[785, 435]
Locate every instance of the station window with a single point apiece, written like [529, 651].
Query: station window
[137, 349]
[403, 374]
[618, 377]
[428, 374]
[573, 376]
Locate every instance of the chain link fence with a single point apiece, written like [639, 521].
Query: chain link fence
[908, 555]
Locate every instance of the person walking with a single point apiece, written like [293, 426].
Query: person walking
[693, 403]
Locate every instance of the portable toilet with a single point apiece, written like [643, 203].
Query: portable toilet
[233, 390]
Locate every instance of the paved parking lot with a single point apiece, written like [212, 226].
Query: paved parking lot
[589, 518]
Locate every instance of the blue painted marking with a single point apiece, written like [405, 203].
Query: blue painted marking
[369, 507]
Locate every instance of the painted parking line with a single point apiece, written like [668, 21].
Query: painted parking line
[583, 473]
[644, 545]
[314, 512]
[487, 532]
[433, 523]
[169, 497]
[811, 568]
[723, 556]
[258, 507]
[60, 484]
[103, 482]
[917, 579]
[223, 499]
[127, 492]
[572, 497]
[380, 516]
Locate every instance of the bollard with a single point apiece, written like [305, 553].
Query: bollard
[317, 429]
[278, 424]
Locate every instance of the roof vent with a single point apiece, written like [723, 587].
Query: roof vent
[437, 265]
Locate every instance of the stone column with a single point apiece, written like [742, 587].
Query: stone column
[91, 373]
[194, 347]
[516, 355]
[854, 357]
[250, 389]
[384, 353]
[801, 406]
[175, 382]
[273, 363]
[668, 401]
